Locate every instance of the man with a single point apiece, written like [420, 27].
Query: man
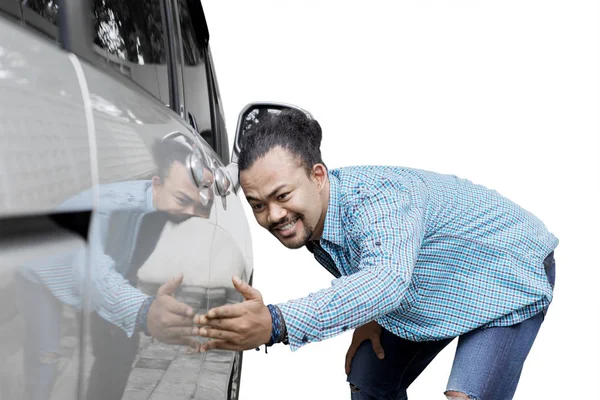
[121, 310]
[420, 257]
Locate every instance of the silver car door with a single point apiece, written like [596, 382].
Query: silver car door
[229, 254]
[46, 196]
[232, 247]
[153, 221]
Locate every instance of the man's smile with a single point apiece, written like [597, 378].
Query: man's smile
[288, 228]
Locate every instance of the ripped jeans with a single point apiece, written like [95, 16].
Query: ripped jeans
[487, 364]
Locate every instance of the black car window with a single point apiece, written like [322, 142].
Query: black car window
[129, 36]
[195, 81]
[220, 128]
[11, 9]
[38, 15]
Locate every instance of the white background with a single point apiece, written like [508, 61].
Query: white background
[501, 93]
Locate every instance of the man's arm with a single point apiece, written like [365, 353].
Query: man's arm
[123, 305]
[388, 230]
[111, 295]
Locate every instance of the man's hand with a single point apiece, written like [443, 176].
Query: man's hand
[370, 331]
[171, 321]
[240, 326]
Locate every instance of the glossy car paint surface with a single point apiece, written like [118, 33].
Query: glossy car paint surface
[99, 208]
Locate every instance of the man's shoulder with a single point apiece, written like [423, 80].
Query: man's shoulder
[110, 195]
[374, 179]
[357, 175]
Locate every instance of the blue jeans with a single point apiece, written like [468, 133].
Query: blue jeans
[487, 364]
[114, 351]
[41, 343]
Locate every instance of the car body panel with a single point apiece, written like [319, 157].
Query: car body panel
[83, 144]
[45, 159]
[44, 145]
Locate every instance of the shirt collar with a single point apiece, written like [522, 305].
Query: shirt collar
[149, 196]
[333, 230]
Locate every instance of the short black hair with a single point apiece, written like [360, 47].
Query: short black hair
[290, 129]
[165, 152]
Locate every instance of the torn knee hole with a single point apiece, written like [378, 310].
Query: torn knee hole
[354, 388]
[49, 357]
[451, 395]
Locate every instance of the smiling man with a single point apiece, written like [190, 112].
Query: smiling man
[420, 259]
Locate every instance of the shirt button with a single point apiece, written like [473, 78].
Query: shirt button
[377, 243]
[304, 339]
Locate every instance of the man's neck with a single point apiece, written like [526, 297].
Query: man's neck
[318, 232]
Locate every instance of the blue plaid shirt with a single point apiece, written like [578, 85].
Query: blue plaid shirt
[65, 274]
[429, 256]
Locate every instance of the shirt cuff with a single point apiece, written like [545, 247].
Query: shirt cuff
[141, 323]
[126, 317]
[301, 321]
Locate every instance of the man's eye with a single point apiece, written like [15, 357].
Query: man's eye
[258, 207]
[282, 196]
[182, 202]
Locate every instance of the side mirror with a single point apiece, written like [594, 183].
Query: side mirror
[249, 116]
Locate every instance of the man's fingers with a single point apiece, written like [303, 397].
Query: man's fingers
[175, 321]
[218, 344]
[377, 348]
[185, 332]
[246, 290]
[218, 334]
[228, 311]
[171, 286]
[192, 343]
[228, 324]
[179, 308]
[349, 356]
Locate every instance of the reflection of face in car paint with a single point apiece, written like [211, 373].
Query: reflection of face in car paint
[177, 194]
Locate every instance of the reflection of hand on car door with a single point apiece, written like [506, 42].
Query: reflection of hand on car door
[241, 326]
[169, 320]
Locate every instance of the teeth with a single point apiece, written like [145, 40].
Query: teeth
[288, 226]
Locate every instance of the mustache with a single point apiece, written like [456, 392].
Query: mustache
[284, 221]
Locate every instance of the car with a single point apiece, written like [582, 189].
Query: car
[116, 176]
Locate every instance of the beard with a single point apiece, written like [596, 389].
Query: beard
[294, 243]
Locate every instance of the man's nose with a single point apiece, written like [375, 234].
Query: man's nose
[276, 213]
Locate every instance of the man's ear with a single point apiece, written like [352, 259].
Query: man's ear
[156, 182]
[319, 175]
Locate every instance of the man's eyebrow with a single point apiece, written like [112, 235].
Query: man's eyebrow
[273, 192]
[187, 198]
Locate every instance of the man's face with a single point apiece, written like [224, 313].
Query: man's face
[177, 194]
[284, 199]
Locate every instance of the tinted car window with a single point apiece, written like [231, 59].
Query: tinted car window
[129, 36]
[47, 9]
[10, 8]
[220, 128]
[197, 100]
[39, 15]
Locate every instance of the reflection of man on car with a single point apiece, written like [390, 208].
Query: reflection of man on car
[49, 283]
[173, 190]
